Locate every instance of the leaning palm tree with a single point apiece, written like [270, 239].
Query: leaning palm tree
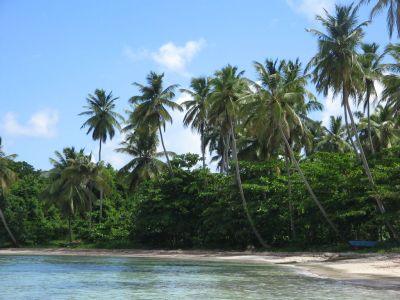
[196, 115]
[145, 164]
[277, 103]
[7, 177]
[393, 13]
[150, 107]
[228, 86]
[336, 67]
[102, 122]
[371, 62]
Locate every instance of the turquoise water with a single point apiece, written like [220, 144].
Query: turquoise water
[66, 277]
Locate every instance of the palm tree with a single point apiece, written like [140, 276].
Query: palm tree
[337, 68]
[142, 145]
[393, 15]
[279, 99]
[384, 128]
[335, 138]
[391, 82]
[151, 106]
[72, 181]
[7, 177]
[373, 71]
[196, 115]
[228, 86]
[103, 120]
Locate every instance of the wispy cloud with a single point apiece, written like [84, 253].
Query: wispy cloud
[311, 8]
[170, 56]
[41, 124]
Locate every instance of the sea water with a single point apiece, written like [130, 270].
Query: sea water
[73, 277]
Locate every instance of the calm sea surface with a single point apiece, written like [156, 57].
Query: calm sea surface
[66, 277]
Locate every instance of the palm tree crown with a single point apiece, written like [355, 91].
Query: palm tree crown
[102, 116]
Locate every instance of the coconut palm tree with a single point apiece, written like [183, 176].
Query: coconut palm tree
[384, 128]
[7, 177]
[336, 67]
[142, 145]
[279, 97]
[371, 62]
[393, 15]
[150, 107]
[196, 115]
[72, 180]
[102, 122]
[103, 119]
[228, 86]
[391, 82]
[335, 138]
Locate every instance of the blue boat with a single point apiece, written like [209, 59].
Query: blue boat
[366, 244]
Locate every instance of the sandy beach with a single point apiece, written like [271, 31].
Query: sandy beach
[377, 270]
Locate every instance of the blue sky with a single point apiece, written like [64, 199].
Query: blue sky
[53, 53]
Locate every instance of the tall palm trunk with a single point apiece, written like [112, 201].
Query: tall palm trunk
[369, 121]
[367, 170]
[165, 150]
[101, 189]
[288, 172]
[203, 148]
[349, 134]
[242, 197]
[310, 190]
[10, 234]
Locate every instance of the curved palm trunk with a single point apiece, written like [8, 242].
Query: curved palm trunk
[203, 148]
[349, 135]
[3, 220]
[369, 123]
[310, 190]
[292, 228]
[165, 150]
[367, 170]
[239, 183]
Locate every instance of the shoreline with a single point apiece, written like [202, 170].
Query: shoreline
[373, 270]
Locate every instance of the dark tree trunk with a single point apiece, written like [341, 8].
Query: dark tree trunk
[165, 151]
[10, 234]
[369, 122]
[203, 148]
[101, 190]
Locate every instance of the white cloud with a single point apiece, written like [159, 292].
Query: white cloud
[176, 58]
[173, 58]
[311, 8]
[41, 124]
[136, 55]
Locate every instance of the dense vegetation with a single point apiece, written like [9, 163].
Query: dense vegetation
[283, 179]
